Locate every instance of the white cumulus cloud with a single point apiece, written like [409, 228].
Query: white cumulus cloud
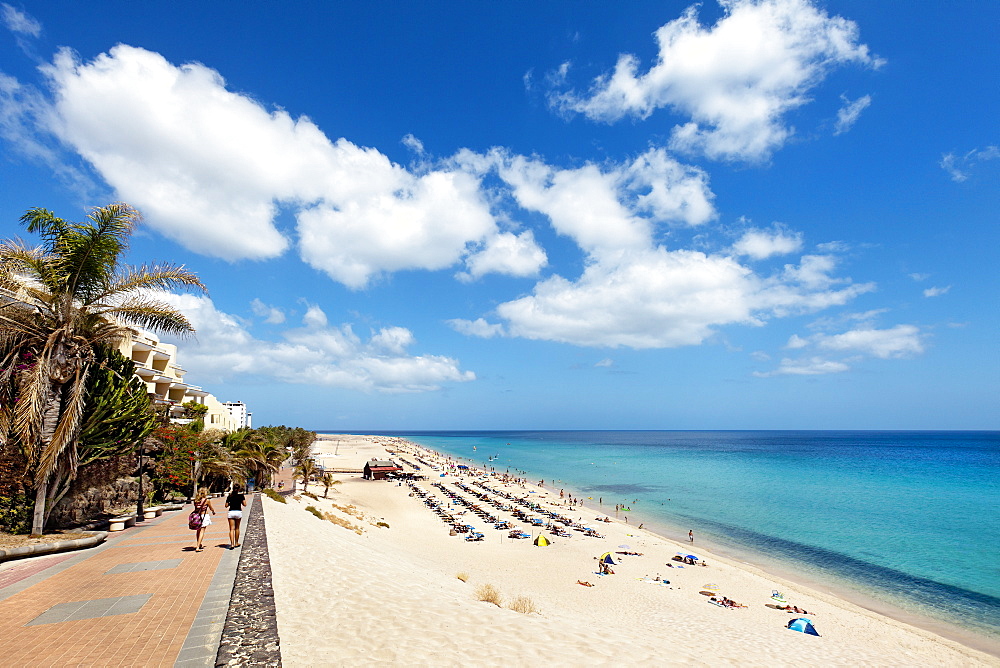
[313, 354]
[898, 341]
[610, 208]
[762, 244]
[813, 366]
[270, 314]
[863, 341]
[507, 253]
[478, 327]
[632, 291]
[736, 80]
[795, 342]
[225, 165]
[656, 298]
[936, 291]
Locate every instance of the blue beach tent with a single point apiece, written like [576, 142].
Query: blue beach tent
[804, 625]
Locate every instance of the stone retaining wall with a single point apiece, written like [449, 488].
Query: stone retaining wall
[250, 636]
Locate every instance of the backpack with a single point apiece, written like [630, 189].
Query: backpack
[195, 519]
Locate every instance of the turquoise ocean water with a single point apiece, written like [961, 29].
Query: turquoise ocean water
[911, 518]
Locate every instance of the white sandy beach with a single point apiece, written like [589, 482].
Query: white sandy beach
[392, 595]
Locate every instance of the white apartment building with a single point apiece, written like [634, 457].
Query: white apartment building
[238, 410]
[156, 364]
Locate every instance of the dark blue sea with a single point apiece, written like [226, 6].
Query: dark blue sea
[909, 518]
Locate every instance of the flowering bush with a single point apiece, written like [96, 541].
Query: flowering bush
[172, 465]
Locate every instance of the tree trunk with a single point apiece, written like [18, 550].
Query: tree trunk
[50, 420]
[38, 518]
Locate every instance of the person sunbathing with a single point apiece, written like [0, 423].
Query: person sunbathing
[585, 584]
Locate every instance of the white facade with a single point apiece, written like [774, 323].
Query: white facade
[156, 364]
[239, 413]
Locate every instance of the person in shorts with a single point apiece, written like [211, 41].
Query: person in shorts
[236, 501]
[202, 506]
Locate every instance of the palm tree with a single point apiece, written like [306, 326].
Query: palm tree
[213, 459]
[327, 480]
[63, 299]
[259, 459]
[306, 469]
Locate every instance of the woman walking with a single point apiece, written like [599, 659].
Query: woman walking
[203, 507]
[236, 501]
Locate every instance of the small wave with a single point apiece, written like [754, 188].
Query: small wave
[960, 604]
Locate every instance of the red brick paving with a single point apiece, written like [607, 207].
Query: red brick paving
[21, 570]
[152, 636]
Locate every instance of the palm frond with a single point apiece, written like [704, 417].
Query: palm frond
[21, 265]
[91, 253]
[151, 277]
[149, 313]
[43, 222]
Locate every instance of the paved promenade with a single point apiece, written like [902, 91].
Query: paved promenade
[142, 598]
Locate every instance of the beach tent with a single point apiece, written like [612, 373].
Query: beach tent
[803, 624]
[606, 559]
[542, 541]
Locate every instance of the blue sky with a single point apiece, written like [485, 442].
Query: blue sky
[561, 215]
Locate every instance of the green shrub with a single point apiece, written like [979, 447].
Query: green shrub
[275, 496]
[314, 511]
[382, 524]
[15, 513]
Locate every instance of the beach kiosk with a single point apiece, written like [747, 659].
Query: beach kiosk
[378, 470]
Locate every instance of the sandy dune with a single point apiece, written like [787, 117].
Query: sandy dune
[392, 595]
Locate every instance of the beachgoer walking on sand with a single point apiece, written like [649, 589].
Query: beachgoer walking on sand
[236, 502]
[691, 535]
[203, 507]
